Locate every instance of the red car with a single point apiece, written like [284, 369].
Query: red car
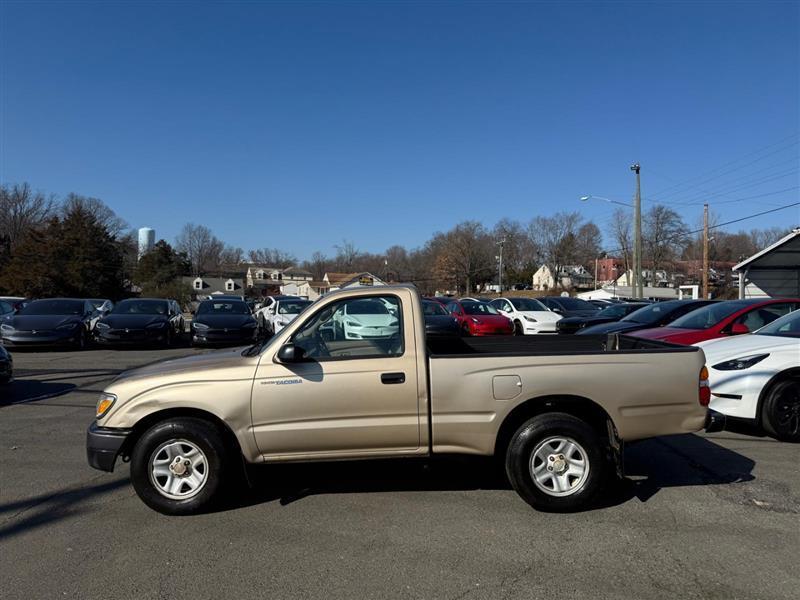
[721, 319]
[479, 318]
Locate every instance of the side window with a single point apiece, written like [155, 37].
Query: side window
[506, 306]
[363, 327]
[451, 308]
[756, 319]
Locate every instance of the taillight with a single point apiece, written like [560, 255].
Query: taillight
[705, 390]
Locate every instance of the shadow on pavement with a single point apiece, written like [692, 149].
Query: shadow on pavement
[682, 460]
[673, 461]
[42, 510]
[28, 390]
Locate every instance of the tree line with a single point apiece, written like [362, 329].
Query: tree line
[78, 246]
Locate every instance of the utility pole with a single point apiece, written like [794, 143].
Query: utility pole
[637, 236]
[500, 243]
[705, 251]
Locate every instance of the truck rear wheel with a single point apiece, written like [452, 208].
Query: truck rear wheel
[557, 462]
[178, 466]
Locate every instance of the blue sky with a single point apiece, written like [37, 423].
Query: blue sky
[297, 125]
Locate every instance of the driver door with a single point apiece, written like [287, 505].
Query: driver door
[354, 394]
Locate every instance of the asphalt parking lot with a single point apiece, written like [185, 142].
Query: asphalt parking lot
[701, 516]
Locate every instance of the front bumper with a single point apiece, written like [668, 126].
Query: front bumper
[103, 445]
[537, 328]
[28, 339]
[131, 336]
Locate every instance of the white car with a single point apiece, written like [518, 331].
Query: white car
[285, 311]
[267, 309]
[370, 318]
[528, 315]
[756, 377]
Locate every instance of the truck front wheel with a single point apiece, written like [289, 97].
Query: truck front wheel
[557, 462]
[178, 466]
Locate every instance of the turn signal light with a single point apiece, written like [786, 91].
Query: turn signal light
[105, 402]
[705, 390]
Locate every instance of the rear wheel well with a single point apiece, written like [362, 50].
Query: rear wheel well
[582, 408]
[793, 373]
[228, 437]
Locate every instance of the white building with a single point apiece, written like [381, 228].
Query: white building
[147, 239]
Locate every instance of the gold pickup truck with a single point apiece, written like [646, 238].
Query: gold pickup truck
[354, 376]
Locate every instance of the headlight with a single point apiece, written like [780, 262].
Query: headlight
[739, 364]
[199, 326]
[249, 325]
[474, 320]
[530, 319]
[66, 326]
[100, 325]
[353, 324]
[7, 328]
[105, 402]
[159, 325]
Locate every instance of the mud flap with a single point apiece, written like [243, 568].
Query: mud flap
[616, 449]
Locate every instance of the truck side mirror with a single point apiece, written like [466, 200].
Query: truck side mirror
[289, 353]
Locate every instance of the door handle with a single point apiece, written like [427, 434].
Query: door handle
[389, 378]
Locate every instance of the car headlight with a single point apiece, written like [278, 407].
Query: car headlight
[66, 326]
[159, 325]
[249, 325]
[529, 319]
[7, 328]
[353, 324]
[105, 402]
[474, 320]
[199, 326]
[739, 364]
[101, 325]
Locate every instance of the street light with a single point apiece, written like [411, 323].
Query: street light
[593, 197]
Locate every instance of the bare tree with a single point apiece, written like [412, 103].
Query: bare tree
[663, 237]
[115, 225]
[464, 255]
[555, 237]
[201, 247]
[22, 210]
[318, 265]
[346, 255]
[272, 257]
[621, 236]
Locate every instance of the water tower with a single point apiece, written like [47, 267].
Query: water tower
[147, 239]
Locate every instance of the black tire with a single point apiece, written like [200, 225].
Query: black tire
[518, 330]
[780, 412]
[208, 439]
[170, 338]
[81, 341]
[532, 435]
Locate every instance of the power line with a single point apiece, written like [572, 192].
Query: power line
[686, 182]
[718, 225]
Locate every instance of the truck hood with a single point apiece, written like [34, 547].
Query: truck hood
[203, 364]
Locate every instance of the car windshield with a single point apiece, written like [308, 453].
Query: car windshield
[292, 307]
[366, 307]
[652, 313]
[527, 304]
[479, 308]
[5, 308]
[219, 308]
[614, 311]
[432, 309]
[141, 307]
[54, 307]
[708, 316]
[575, 304]
[785, 326]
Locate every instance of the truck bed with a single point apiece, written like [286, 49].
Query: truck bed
[545, 345]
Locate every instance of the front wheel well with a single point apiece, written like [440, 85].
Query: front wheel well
[173, 413]
[792, 373]
[578, 406]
